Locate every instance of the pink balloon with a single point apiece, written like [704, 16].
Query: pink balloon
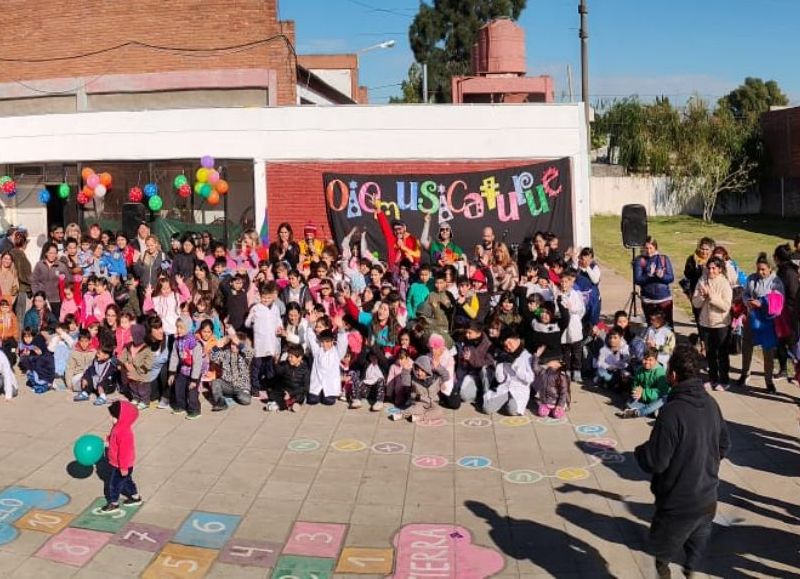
[213, 176]
[93, 180]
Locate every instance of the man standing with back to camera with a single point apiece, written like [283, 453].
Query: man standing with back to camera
[687, 443]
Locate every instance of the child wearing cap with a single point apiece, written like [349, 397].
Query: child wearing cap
[426, 383]
[513, 378]
[135, 360]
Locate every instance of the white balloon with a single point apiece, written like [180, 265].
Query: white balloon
[100, 191]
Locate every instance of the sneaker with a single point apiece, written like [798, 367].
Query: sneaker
[295, 407]
[193, 416]
[219, 407]
[100, 401]
[80, 397]
[396, 416]
[771, 388]
[558, 413]
[142, 406]
[355, 404]
[343, 397]
[163, 404]
[109, 508]
[132, 501]
[741, 382]
[178, 412]
[782, 375]
[576, 376]
[707, 385]
[662, 570]
[59, 384]
[721, 387]
[271, 406]
[377, 407]
[630, 413]
[40, 389]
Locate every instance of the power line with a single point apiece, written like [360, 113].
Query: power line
[174, 49]
[382, 10]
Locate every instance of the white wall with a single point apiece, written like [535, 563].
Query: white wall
[377, 132]
[609, 194]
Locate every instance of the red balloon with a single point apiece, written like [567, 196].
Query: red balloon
[82, 198]
[135, 195]
[184, 190]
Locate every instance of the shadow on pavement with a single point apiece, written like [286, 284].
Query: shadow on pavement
[551, 549]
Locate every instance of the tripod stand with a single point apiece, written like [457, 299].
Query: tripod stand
[630, 305]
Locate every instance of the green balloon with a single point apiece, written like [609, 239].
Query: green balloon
[205, 190]
[4, 179]
[198, 186]
[63, 190]
[179, 181]
[155, 203]
[88, 449]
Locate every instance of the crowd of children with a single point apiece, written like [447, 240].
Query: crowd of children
[306, 322]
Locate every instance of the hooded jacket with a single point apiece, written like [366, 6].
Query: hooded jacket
[654, 288]
[687, 443]
[121, 440]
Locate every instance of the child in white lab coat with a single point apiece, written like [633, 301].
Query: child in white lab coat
[327, 350]
[265, 319]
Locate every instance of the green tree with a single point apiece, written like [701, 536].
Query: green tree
[442, 36]
[411, 87]
[749, 100]
[714, 156]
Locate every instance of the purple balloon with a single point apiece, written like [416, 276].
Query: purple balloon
[207, 161]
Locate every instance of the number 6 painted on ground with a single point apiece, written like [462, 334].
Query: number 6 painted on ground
[218, 527]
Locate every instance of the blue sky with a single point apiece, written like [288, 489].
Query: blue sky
[645, 47]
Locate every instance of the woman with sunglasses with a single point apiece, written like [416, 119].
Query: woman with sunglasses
[442, 251]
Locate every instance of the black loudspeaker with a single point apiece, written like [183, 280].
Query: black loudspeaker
[634, 225]
[133, 215]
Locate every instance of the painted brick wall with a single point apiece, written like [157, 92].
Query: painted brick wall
[57, 28]
[295, 192]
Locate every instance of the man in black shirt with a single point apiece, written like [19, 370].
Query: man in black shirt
[688, 442]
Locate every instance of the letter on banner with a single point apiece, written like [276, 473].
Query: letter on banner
[450, 191]
[353, 208]
[522, 183]
[549, 176]
[374, 196]
[428, 191]
[473, 206]
[489, 190]
[543, 207]
[411, 203]
[330, 194]
[445, 214]
[512, 214]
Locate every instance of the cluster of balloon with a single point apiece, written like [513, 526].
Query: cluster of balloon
[181, 183]
[154, 201]
[8, 186]
[63, 193]
[94, 186]
[208, 184]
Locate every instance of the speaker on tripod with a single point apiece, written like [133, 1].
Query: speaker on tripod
[634, 235]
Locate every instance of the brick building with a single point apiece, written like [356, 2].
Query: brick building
[780, 189]
[140, 90]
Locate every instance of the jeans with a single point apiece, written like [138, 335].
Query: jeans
[572, 354]
[747, 355]
[186, 398]
[120, 485]
[718, 353]
[261, 372]
[221, 388]
[672, 536]
[647, 408]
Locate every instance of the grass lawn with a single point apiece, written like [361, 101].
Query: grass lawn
[743, 237]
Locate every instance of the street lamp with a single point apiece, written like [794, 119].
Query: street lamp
[384, 44]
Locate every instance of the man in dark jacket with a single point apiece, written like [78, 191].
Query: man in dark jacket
[688, 442]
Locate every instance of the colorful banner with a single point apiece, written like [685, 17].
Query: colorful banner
[516, 202]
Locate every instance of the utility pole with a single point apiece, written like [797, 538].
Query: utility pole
[425, 82]
[569, 82]
[583, 10]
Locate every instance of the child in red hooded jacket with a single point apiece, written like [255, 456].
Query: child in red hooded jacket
[121, 456]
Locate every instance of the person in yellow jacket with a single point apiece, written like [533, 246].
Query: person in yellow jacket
[310, 247]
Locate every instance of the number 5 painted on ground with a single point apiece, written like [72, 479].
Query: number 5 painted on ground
[168, 561]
